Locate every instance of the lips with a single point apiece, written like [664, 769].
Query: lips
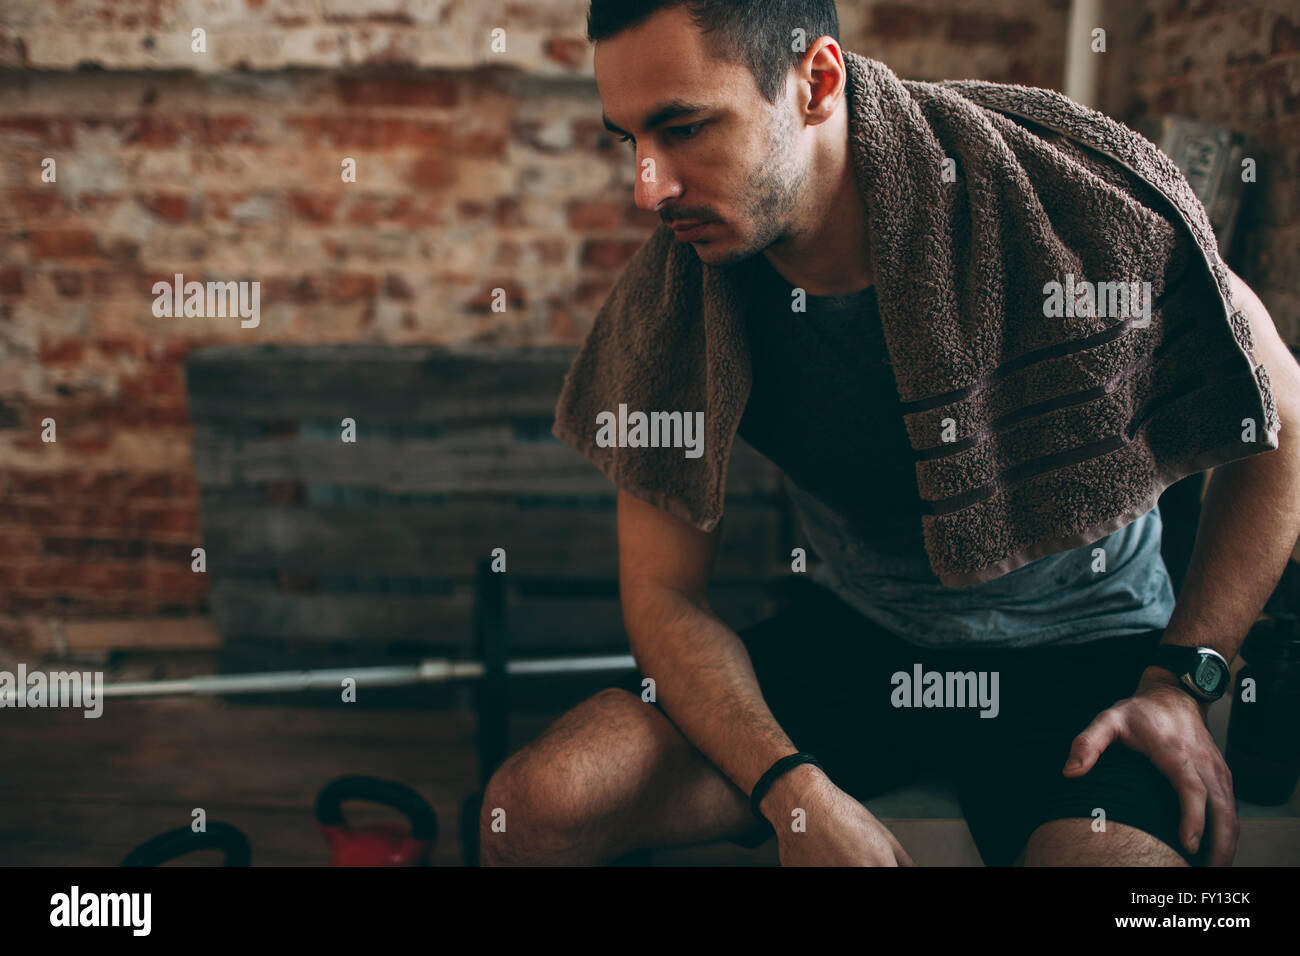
[686, 231]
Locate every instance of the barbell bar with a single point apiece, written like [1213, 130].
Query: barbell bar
[434, 670]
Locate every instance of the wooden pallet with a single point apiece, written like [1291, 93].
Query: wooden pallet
[313, 540]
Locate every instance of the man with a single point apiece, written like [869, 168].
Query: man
[742, 148]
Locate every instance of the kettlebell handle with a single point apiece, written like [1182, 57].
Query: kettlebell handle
[182, 840]
[329, 803]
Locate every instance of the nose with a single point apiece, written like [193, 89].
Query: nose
[650, 195]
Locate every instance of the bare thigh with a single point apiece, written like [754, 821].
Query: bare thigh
[610, 776]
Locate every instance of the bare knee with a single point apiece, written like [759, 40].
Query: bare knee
[1074, 842]
[557, 800]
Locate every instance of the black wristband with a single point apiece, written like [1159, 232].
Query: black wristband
[777, 769]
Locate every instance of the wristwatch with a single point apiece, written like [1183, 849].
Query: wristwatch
[1201, 670]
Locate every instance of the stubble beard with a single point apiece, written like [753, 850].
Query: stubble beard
[771, 195]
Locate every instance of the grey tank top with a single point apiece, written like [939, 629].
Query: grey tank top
[823, 407]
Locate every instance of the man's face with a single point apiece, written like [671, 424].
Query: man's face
[736, 163]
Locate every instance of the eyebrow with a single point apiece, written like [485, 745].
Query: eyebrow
[673, 109]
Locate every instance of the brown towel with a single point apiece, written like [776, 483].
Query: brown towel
[1033, 434]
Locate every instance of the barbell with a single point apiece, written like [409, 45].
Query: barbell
[434, 670]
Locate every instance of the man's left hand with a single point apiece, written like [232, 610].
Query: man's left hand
[1167, 725]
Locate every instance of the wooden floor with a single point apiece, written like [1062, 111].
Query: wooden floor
[80, 791]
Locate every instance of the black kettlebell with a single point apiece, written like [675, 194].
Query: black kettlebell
[182, 840]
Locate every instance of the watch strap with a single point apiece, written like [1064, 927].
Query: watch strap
[1178, 658]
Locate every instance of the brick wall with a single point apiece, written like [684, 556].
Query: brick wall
[476, 169]
[1237, 65]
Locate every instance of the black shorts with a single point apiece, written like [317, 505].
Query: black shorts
[826, 673]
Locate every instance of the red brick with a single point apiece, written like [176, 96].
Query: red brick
[148, 129]
[304, 291]
[62, 243]
[62, 352]
[19, 542]
[609, 253]
[92, 520]
[486, 297]
[93, 548]
[175, 552]
[399, 89]
[222, 130]
[481, 142]
[170, 207]
[507, 254]
[596, 213]
[346, 286]
[78, 575]
[363, 210]
[176, 579]
[155, 485]
[314, 206]
[37, 204]
[159, 385]
[49, 131]
[11, 280]
[432, 172]
[88, 444]
[56, 576]
[122, 282]
[566, 51]
[506, 211]
[102, 576]
[551, 251]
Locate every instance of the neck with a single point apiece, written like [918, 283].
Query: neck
[827, 252]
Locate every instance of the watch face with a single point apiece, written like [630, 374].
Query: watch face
[1209, 675]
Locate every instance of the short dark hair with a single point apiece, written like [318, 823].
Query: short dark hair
[756, 33]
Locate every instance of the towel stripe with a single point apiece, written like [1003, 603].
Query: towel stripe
[1081, 397]
[1228, 368]
[1008, 369]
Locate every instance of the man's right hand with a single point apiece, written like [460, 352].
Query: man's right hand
[837, 829]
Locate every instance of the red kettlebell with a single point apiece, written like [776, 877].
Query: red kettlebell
[379, 844]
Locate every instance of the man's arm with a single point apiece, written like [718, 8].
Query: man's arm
[1250, 518]
[705, 681]
[1248, 528]
[703, 675]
